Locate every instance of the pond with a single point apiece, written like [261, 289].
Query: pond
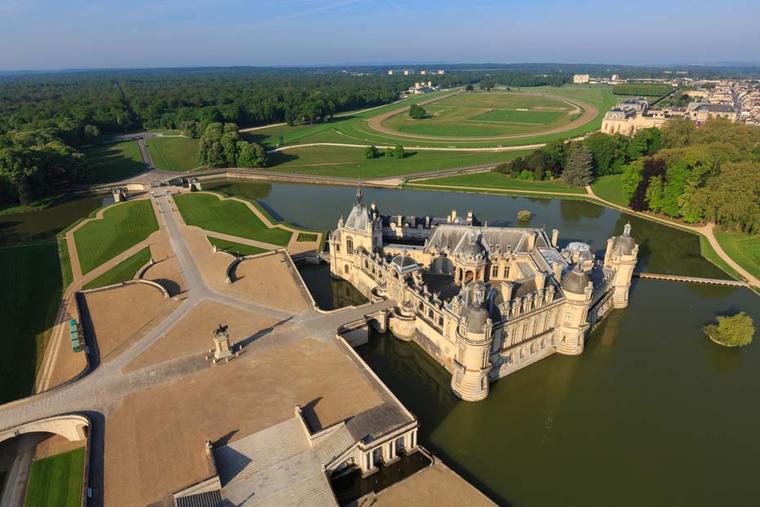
[652, 413]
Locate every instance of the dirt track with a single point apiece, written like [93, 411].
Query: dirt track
[589, 113]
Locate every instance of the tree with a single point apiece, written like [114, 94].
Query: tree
[388, 152]
[398, 151]
[577, 170]
[524, 215]
[732, 197]
[609, 152]
[91, 133]
[645, 142]
[370, 152]
[731, 331]
[554, 154]
[678, 132]
[632, 176]
[251, 155]
[417, 112]
[651, 169]
[469, 88]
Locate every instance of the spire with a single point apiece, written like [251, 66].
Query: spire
[627, 230]
[359, 196]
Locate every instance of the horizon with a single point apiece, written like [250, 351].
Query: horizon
[334, 33]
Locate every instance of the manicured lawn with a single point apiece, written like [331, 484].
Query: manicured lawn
[610, 188]
[498, 181]
[56, 481]
[233, 247]
[305, 236]
[123, 226]
[30, 291]
[742, 248]
[121, 272]
[350, 162]
[174, 153]
[114, 162]
[209, 212]
[63, 255]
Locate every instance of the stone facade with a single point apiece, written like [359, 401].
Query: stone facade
[483, 301]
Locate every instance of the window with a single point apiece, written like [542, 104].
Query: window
[337, 247]
[345, 268]
[568, 317]
[495, 272]
[350, 245]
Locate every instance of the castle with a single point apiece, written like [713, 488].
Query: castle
[483, 301]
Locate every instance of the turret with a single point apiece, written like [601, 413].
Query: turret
[474, 339]
[571, 335]
[621, 256]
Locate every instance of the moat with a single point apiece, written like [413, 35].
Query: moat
[641, 418]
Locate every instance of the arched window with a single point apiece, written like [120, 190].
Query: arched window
[430, 314]
[345, 268]
[350, 245]
[495, 271]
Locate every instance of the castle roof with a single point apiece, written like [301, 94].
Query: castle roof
[469, 241]
[575, 281]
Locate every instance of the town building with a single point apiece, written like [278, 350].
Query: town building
[483, 301]
[581, 79]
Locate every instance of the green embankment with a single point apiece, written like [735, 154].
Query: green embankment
[67, 276]
[114, 162]
[30, 291]
[707, 251]
[122, 226]
[306, 236]
[121, 272]
[56, 481]
[742, 248]
[498, 181]
[233, 247]
[610, 188]
[351, 163]
[173, 153]
[211, 213]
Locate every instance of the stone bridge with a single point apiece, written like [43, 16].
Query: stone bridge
[71, 427]
[692, 279]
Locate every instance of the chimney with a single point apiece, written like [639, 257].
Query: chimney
[540, 281]
[531, 241]
[557, 269]
[555, 237]
[453, 215]
[506, 291]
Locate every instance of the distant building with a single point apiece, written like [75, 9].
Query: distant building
[700, 112]
[615, 77]
[423, 72]
[441, 72]
[390, 72]
[407, 72]
[581, 79]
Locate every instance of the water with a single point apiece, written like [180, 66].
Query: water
[662, 249]
[652, 413]
[329, 293]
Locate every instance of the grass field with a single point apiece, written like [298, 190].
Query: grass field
[30, 290]
[233, 247]
[498, 181]
[305, 236]
[351, 163]
[227, 217]
[488, 114]
[174, 153]
[67, 276]
[610, 188]
[123, 226]
[121, 272]
[743, 248]
[56, 481]
[114, 162]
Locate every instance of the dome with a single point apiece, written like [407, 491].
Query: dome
[625, 244]
[404, 263]
[477, 319]
[471, 246]
[359, 218]
[575, 281]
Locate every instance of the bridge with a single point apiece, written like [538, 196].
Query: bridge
[692, 279]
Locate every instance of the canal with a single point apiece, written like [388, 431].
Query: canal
[652, 413]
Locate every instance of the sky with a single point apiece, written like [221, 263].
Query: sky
[61, 34]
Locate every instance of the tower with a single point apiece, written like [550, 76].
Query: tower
[621, 256]
[571, 334]
[474, 339]
[361, 231]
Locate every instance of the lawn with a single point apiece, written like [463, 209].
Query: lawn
[114, 162]
[123, 226]
[30, 291]
[174, 153]
[610, 188]
[121, 272]
[498, 181]
[354, 128]
[351, 163]
[57, 480]
[233, 247]
[67, 276]
[707, 251]
[306, 237]
[209, 212]
[743, 248]
[513, 116]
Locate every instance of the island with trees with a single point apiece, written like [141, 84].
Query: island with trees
[731, 331]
